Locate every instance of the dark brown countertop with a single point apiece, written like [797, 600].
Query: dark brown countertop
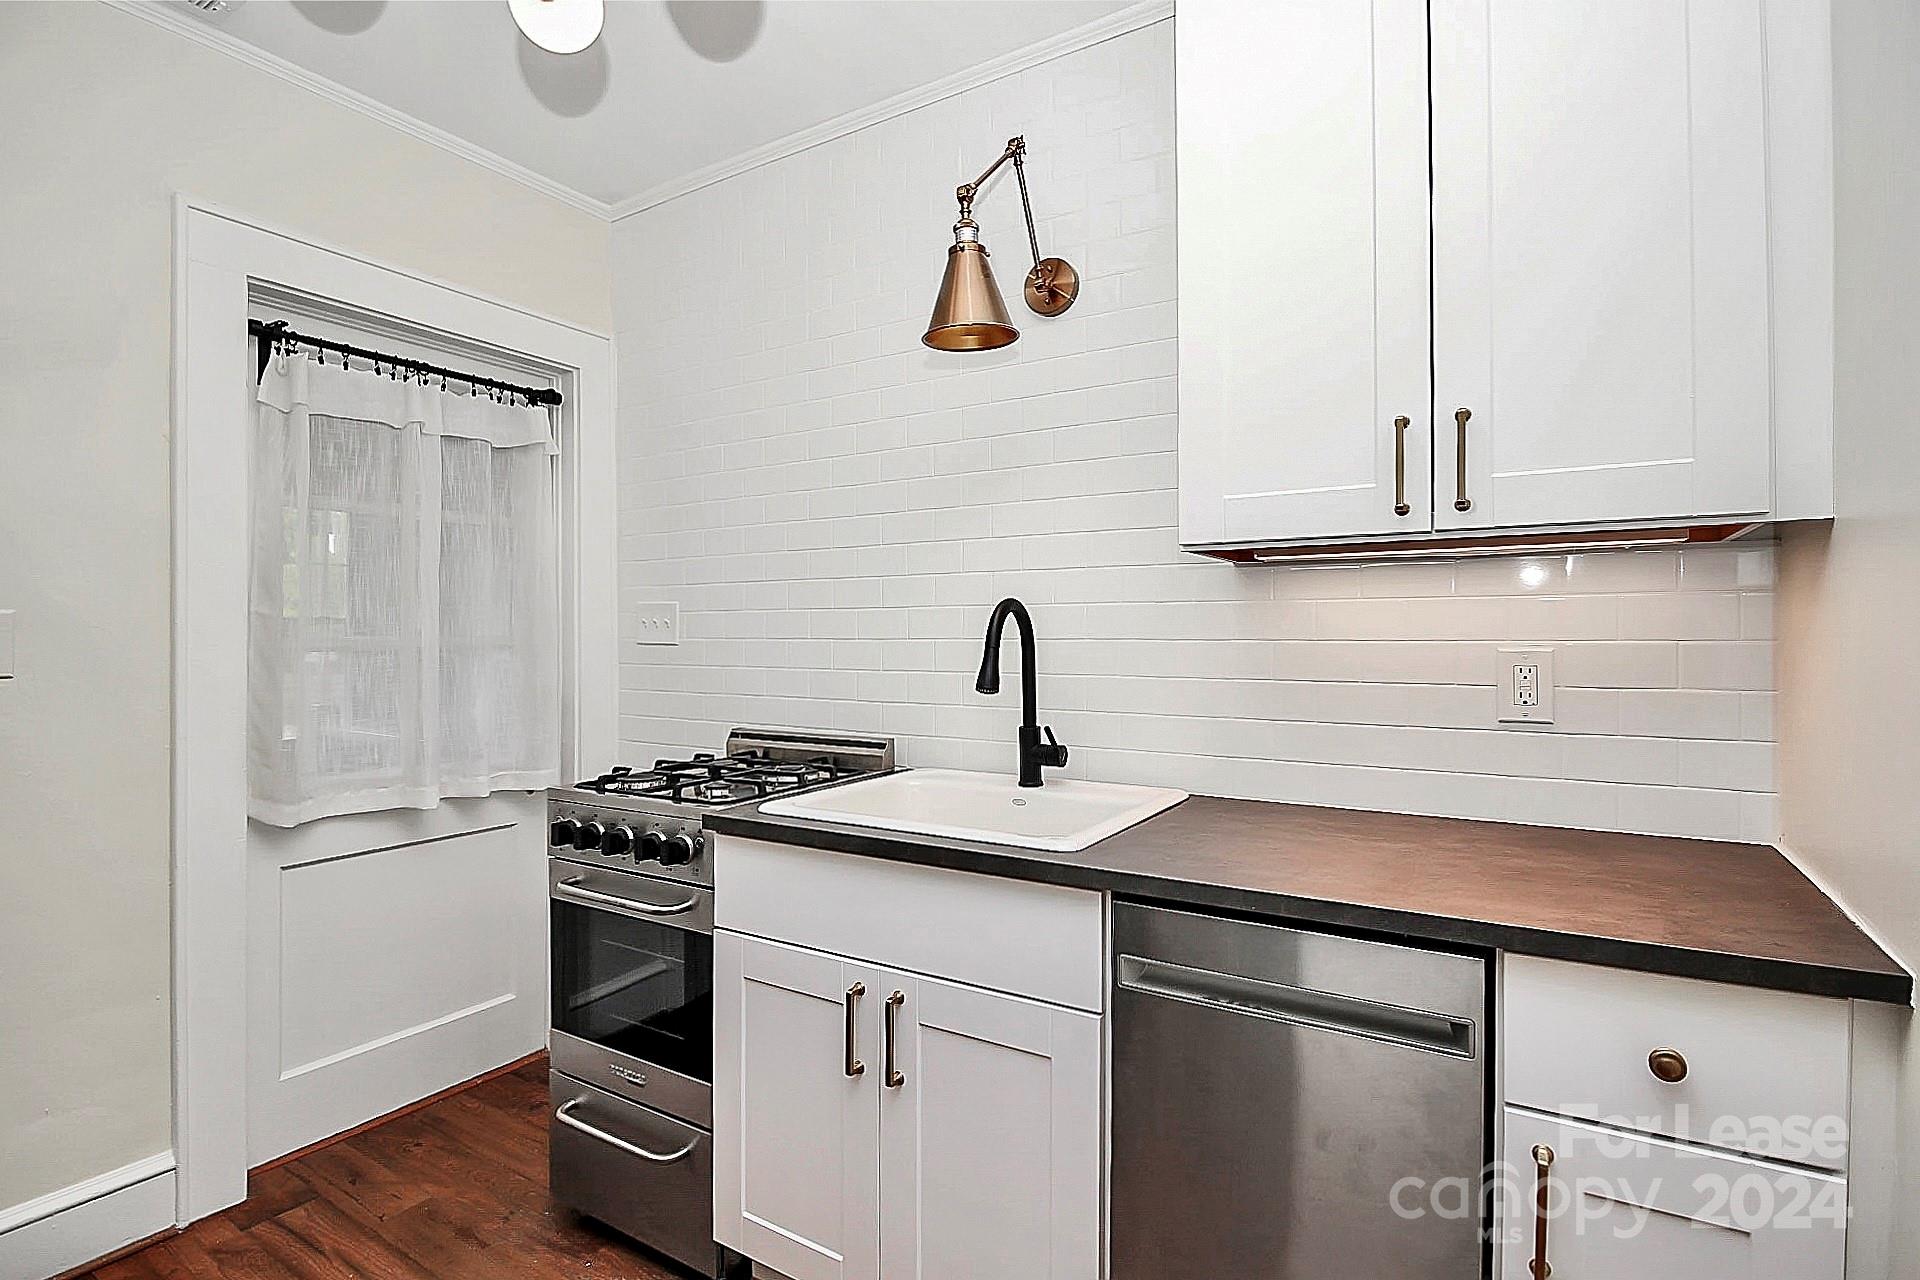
[1695, 908]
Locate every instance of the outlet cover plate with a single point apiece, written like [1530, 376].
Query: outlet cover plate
[656, 622]
[1523, 685]
[6, 644]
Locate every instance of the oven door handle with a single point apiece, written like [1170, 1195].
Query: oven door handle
[572, 889]
[565, 1116]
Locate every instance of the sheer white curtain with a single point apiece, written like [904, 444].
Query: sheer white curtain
[403, 641]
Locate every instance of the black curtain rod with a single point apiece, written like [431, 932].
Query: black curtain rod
[280, 331]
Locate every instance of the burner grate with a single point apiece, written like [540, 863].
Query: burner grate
[718, 780]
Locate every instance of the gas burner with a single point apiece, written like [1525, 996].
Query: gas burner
[720, 791]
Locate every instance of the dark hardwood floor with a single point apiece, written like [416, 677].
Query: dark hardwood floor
[454, 1191]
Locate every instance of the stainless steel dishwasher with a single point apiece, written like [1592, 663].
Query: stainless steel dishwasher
[1272, 1088]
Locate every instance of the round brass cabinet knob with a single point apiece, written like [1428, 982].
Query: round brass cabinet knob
[1667, 1065]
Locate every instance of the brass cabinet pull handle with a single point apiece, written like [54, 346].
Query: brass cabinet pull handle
[893, 1077]
[1669, 1066]
[1400, 425]
[1460, 500]
[854, 1066]
[1540, 1268]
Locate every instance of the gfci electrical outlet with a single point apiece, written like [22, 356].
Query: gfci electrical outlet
[1524, 686]
[656, 623]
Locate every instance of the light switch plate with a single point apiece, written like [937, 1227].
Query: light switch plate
[657, 622]
[1523, 685]
[6, 644]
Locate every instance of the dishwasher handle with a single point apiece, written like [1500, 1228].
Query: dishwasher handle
[1299, 1006]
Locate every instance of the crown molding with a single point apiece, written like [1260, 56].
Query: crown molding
[181, 23]
[1119, 23]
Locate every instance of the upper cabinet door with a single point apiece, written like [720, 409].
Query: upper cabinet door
[1303, 242]
[1600, 261]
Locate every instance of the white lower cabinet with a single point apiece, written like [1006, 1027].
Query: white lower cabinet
[870, 1123]
[796, 1177]
[1675, 1128]
[1624, 1207]
[989, 1138]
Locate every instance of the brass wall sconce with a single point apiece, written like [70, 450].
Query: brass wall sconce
[970, 314]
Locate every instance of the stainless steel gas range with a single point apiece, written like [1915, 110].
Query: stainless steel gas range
[630, 882]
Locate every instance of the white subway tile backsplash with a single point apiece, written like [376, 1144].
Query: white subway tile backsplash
[835, 508]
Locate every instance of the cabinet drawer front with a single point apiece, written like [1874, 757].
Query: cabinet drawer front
[1034, 940]
[1619, 1206]
[1764, 1071]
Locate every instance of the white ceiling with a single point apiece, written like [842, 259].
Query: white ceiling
[671, 87]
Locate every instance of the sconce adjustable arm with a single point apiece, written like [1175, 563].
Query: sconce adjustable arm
[1016, 151]
[1052, 284]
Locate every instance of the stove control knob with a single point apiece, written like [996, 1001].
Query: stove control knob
[651, 843]
[618, 842]
[679, 851]
[588, 836]
[560, 832]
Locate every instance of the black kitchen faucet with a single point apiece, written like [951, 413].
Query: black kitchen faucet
[1034, 754]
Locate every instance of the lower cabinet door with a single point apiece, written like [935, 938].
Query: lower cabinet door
[795, 1118]
[1620, 1207]
[990, 1152]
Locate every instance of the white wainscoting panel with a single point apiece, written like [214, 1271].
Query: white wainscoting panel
[392, 955]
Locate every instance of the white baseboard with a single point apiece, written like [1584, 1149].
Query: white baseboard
[67, 1228]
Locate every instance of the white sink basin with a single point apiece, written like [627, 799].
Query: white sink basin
[1063, 816]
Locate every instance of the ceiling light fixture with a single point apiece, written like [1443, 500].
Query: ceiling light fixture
[970, 314]
[560, 26]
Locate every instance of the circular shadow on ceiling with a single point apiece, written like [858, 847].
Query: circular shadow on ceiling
[567, 84]
[718, 30]
[342, 17]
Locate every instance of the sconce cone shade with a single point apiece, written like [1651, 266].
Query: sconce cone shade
[969, 314]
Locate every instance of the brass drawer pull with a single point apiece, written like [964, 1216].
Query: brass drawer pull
[1460, 501]
[1540, 1268]
[1669, 1066]
[854, 1066]
[1400, 425]
[893, 1077]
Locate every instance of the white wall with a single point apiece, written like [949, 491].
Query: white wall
[836, 509]
[108, 116]
[1850, 597]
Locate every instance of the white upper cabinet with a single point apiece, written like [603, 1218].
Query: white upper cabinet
[1583, 247]
[1302, 136]
[1600, 261]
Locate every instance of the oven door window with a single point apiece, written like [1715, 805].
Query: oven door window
[637, 987]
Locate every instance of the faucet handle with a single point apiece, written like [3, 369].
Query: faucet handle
[1053, 755]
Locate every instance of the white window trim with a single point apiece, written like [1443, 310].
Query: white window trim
[217, 255]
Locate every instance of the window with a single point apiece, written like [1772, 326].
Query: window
[402, 643]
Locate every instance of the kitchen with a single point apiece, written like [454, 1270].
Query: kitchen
[1600, 814]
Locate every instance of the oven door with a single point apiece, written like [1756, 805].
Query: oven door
[633, 986]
